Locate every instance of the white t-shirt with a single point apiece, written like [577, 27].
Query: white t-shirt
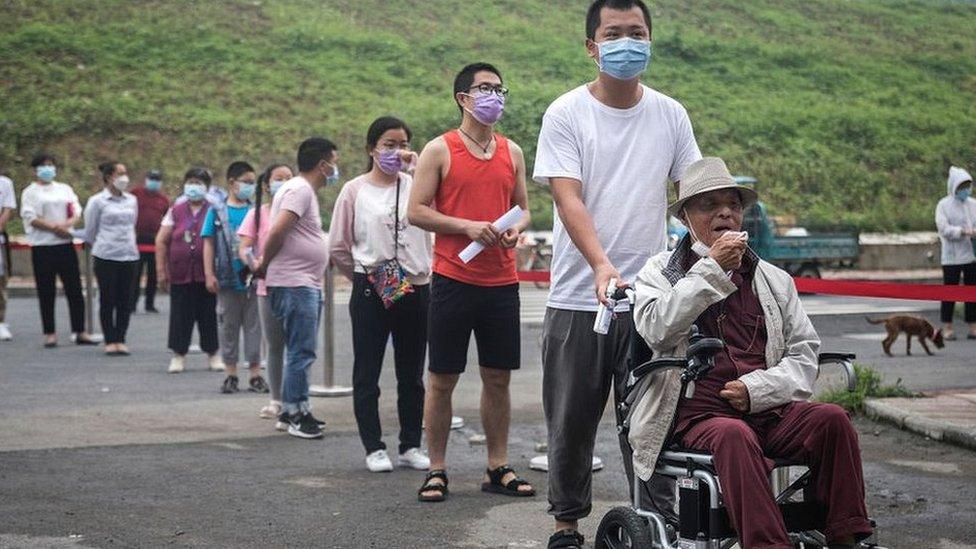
[7, 197]
[624, 159]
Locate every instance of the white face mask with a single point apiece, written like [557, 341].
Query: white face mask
[699, 247]
[121, 183]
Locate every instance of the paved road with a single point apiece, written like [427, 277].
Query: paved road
[98, 452]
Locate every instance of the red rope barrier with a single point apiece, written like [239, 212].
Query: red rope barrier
[143, 248]
[926, 292]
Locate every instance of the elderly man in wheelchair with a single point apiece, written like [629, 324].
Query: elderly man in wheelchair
[727, 394]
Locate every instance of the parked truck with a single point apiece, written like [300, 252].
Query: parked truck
[798, 252]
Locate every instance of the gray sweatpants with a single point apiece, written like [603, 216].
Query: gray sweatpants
[274, 338]
[579, 368]
[236, 312]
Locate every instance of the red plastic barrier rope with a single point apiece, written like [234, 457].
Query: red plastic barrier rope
[143, 248]
[925, 292]
[533, 276]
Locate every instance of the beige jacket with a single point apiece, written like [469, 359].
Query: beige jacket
[669, 301]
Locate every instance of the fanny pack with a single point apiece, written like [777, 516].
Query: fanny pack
[389, 279]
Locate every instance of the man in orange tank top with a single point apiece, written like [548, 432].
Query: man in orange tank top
[466, 179]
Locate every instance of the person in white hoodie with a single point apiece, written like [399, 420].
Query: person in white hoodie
[955, 217]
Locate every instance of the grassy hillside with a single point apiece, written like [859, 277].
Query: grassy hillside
[848, 111]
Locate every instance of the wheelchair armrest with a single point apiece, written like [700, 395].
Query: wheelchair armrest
[657, 364]
[846, 360]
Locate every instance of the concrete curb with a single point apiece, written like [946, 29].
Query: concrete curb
[935, 429]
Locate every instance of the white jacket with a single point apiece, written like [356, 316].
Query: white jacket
[669, 301]
[952, 216]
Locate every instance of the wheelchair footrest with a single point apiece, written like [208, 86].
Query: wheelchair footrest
[803, 516]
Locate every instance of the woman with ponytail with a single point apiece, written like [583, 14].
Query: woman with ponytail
[110, 230]
[253, 233]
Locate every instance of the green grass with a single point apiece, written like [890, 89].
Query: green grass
[870, 384]
[849, 112]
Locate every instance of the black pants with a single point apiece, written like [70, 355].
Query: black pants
[50, 263]
[191, 304]
[115, 297]
[951, 275]
[372, 325]
[147, 261]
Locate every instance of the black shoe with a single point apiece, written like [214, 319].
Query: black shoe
[85, 341]
[258, 385]
[566, 539]
[317, 421]
[304, 426]
[152, 310]
[229, 385]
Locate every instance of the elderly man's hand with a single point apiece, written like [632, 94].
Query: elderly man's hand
[737, 394]
[727, 251]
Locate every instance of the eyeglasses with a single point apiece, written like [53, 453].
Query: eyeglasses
[488, 88]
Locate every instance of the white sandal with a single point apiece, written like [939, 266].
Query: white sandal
[271, 411]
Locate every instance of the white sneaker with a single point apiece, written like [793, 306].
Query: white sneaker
[379, 462]
[271, 411]
[5, 334]
[216, 364]
[177, 364]
[414, 459]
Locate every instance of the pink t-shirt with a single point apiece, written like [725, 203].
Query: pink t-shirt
[247, 229]
[304, 254]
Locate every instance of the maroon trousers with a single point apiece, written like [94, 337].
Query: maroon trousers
[819, 435]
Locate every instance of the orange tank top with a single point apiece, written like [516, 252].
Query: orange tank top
[477, 190]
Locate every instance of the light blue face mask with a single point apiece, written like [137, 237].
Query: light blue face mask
[154, 185]
[334, 178]
[963, 195]
[245, 191]
[46, 173]
[275, 185]
[195, 192]
[624, 58]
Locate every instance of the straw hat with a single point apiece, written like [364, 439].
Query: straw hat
[706, 175]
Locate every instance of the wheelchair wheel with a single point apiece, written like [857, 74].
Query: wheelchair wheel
[622, 528]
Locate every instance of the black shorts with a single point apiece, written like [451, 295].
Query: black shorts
[457, 309]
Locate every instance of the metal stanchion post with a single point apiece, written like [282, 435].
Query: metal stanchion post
[89, 296]
[329, 388]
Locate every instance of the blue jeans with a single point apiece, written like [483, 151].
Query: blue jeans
[298, 309]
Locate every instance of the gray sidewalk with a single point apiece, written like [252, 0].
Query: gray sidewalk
[948, 416]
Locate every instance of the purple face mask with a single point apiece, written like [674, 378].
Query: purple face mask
[488, 108]
[389, 161]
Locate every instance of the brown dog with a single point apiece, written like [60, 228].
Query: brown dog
[912, 326]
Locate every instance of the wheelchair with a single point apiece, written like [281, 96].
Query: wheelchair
[702, 521]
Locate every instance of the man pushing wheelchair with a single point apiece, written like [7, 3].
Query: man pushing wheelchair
[751, 407]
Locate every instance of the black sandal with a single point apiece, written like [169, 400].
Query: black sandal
[495, 485]
[566, 539]
[428, 486]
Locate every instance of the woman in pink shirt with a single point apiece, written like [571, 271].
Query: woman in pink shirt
[253, 233]
[388, 260]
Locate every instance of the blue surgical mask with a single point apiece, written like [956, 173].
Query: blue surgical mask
[334, 178]
[245, 191]
[154, 185]
[963, 195]
[195, 192]
[624, 58]
[275, 185]
[46, 173]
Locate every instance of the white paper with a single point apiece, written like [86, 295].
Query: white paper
[503, 224]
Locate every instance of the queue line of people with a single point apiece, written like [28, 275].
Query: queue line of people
[607, 151]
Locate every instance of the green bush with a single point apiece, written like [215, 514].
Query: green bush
[869, 385]
[847, 112]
